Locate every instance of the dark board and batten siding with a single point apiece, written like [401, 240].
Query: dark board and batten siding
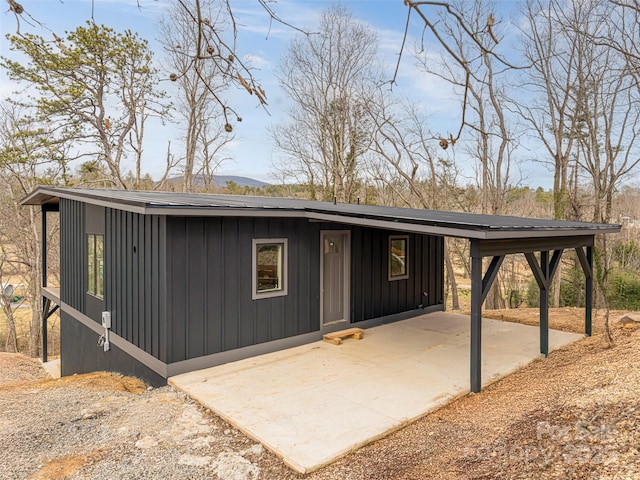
[209, 267]
[94, 222]
[82, 355]
[135, 279]
[210, 306]
[134, 271]
[73, 261]
[373, 295]
[180, 287]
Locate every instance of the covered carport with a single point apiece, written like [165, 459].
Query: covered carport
[542, 242]
[543, 267]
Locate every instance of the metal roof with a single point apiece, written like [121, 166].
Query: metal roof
[456, 224]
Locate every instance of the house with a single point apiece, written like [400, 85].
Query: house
[154, 284]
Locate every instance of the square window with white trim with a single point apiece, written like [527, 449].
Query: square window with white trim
[269, 261]
[398, 257]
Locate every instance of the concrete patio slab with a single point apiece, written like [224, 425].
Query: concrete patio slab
[52, 367]
[314, 403]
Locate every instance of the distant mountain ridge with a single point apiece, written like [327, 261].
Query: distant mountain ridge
[221, 181]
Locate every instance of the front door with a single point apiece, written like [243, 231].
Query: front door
[334, 277]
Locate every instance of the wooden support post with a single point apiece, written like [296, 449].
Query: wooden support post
[543, 272]
[490, 275]
[588, 298]
[544, 304]
[46, 303]
[476, 324]
[586, 262]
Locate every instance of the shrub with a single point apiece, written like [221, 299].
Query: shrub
[533, 293]
[571, 290]
[624, 290]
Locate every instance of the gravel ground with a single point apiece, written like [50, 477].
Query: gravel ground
[574, 415]
[106, 426]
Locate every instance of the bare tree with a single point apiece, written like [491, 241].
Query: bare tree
[332, 78]
[405, 164]
[489, 126]
[451, 24]
[29, 154]
[609, 123]
[585, 68]
[225, 59]
[555, 64]
[553, 53]
[199, 83]
[6, 297]
[490, 140]
[621, 31]
[608, 108]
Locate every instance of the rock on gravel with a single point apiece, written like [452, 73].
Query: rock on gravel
[233, 466]
[146, 442]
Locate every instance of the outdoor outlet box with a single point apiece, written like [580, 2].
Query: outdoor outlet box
[106, 320]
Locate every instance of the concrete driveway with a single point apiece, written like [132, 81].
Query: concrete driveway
[312, 404]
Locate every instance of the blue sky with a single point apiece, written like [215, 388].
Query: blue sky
[252, 149]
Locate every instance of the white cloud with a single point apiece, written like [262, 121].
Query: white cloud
[251, 17]
[258, 61]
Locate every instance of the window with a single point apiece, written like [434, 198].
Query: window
[269, 268]
[398, 257]
[95, 265]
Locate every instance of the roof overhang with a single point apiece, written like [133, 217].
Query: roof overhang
[451, 224]
[40, 197]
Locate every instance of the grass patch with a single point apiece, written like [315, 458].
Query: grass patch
[22, 319]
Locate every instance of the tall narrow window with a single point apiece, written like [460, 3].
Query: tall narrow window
[398, 257]
[95, 265]
[269, 268]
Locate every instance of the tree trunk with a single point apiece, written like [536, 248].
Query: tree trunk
[494, 297]
[36, 330]
[557, 279]
[35, 284]
[451, 279]
[11, 343]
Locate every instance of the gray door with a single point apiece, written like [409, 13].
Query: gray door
[335, 276]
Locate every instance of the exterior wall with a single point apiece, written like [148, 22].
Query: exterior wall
[373, 295]
[134, 272]
[76, 220]
[209, 272]
[94, 223]
[135, 279]
[179, 288]
[80, 354]
[73, 254]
